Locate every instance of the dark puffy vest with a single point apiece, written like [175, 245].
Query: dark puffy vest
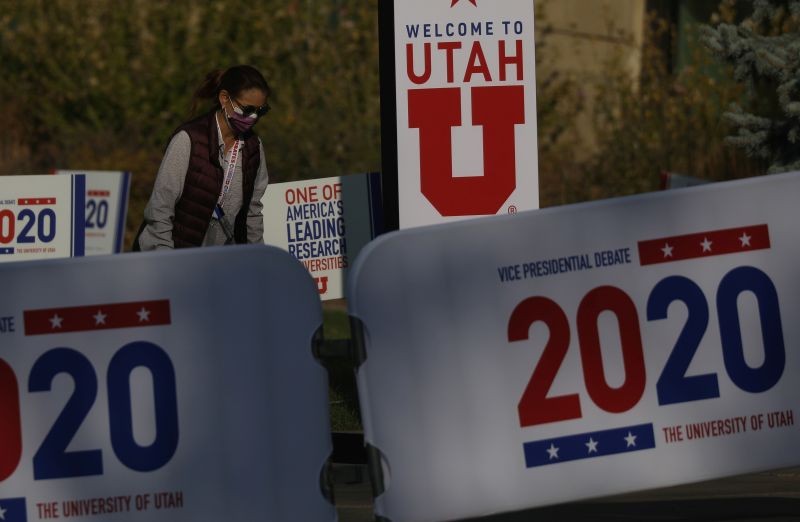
[204, 179]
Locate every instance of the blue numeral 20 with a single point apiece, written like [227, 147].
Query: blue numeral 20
[674, 386]
[96, 213]
[45, 225]
[52, 460]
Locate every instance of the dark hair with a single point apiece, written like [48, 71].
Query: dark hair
[234, 80]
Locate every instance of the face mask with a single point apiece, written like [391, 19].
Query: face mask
[238, 122]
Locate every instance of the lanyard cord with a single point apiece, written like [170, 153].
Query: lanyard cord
[229, 174]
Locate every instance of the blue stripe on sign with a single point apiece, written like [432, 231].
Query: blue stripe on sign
[78, 215]
[122, 212]
[13, 510]
[589, 445]
[9, 250]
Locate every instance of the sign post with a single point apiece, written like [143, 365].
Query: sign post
[582, 351]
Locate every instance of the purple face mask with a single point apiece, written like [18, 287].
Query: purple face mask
[238, 122]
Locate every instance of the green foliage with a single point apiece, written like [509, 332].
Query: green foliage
[658, 120]
[664, 122]
[345, 413]
[559, 101]
[764, 51]
[101, 82]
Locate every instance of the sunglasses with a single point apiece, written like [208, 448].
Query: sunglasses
[249, 110]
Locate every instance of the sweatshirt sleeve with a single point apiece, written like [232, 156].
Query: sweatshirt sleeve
[255, 218]
[160, 210]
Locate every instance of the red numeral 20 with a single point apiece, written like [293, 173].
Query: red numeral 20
[673, 385]
[535, 407]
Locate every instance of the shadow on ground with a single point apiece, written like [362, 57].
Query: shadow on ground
[772, 496]
[705, 510]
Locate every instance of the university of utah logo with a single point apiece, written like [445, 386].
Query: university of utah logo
[496, 107]
[435, 112]
[322, 284]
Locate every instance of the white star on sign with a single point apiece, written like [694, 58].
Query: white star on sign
[630, 439]
[667, 250]
[99, 318]
[55, 321]
[745, 239]
[552, 451]
[706, 244]
[592, 445]
[144, 314]
[2, 513]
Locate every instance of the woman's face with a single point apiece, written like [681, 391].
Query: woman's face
[248, 101]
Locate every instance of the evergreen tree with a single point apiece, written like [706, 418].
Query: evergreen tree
[764, 50]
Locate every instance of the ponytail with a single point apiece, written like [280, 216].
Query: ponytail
[207, 90]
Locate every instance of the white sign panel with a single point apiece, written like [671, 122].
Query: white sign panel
[582, 351]
[147, 387]
[323, 223]
[39, 217]
[106, 209]
[465, 79]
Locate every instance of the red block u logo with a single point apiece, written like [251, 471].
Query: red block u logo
[322, 284]
[435, 112]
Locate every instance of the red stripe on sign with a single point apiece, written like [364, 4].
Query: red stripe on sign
[97, 317]
[99, 193]
[36, 201]
[704, 244]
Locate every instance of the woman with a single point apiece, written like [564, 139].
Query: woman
[213, 175]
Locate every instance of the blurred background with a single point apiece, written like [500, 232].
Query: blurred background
[627, 91]
[626, 88]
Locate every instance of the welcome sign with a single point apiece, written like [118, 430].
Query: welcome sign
[465, 93]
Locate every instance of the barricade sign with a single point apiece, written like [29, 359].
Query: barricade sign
[324, 223]
[161, 387]
[106, 209]
[39, 217]
[582, 351]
